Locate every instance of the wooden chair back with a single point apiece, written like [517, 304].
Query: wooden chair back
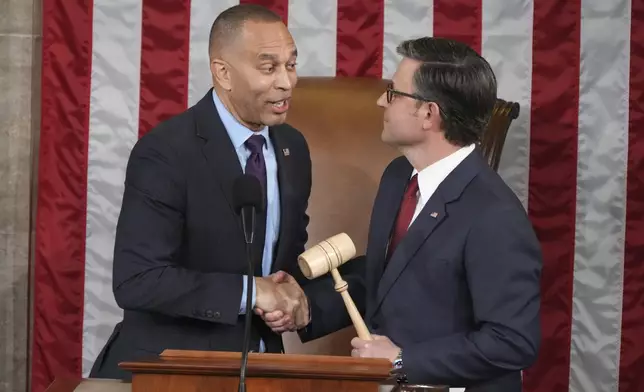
[494, 137]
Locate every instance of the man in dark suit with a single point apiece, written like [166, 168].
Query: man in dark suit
[451, 290]
[179, 259]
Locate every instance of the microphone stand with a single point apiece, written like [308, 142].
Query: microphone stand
[249, 236]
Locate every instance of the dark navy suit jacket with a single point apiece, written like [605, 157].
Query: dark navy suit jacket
[180, 251]
[461, 293]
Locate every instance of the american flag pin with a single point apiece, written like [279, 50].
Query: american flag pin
[434, 214]
[286, 152]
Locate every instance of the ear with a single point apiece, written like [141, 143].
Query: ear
[221, 73]
[431, 116]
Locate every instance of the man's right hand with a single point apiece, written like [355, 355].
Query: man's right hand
[281, 302]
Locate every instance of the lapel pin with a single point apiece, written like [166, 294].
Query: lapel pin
[286, 152]
[434, 214]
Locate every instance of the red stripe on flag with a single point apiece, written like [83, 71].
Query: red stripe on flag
[62, 192]
[631, 376]
[280, 7]
[459, 20]
[553, 180]
[165, 56]
[359, 41]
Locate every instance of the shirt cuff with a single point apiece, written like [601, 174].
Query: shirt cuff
[242, 305]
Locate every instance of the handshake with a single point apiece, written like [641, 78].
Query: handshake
[281, 302]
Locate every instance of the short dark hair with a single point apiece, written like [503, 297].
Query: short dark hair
[458, 80]
[228, 24]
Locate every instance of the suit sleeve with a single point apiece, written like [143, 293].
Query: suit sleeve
[503, 267]
[149, 234]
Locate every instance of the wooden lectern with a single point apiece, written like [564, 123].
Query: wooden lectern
[212, 371]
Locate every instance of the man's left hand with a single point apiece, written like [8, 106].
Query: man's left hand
[379, 347]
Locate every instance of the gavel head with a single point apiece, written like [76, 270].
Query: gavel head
[326, 256]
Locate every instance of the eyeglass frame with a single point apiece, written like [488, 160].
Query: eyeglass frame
[391, 92]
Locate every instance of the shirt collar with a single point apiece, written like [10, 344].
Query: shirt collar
[237, 132]
[433, 175]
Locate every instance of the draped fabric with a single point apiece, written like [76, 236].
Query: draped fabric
[112, 69]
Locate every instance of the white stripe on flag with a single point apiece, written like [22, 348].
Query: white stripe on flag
[113, 130]
[313, 25]
[506, 43]
[404, 20]
[202, 15]
[601, 195]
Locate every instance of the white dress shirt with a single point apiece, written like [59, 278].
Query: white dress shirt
[433, 175]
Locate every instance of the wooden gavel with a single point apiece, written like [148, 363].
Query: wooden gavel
[327, 256]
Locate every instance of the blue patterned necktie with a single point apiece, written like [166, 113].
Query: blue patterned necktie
[255, 164]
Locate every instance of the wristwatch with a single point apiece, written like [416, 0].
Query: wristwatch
[398, 370]
[398, 362]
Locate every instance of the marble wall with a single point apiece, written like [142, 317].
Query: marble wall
[20, 46]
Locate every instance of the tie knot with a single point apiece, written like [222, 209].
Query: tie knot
[412, 186]
[255, 143]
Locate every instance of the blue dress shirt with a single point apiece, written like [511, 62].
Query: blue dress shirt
[238, 134]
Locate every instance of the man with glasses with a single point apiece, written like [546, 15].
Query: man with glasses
[451, 289]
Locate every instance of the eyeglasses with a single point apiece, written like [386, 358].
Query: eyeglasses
[391, 92]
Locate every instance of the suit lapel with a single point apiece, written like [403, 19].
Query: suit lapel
[218, 148]
[418, 232]
[280, 145]
[385, 215]
[431, 216]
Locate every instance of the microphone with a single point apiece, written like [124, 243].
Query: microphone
[247, 196]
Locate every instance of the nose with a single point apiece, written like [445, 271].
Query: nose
[382, 100]
[285, 79]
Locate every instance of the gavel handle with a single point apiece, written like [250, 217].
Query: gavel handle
[341, 287]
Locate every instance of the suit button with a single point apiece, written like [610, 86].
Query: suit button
[209, 313]
[375, 325]
[217, 315]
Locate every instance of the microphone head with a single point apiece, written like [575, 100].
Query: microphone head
[247, 192]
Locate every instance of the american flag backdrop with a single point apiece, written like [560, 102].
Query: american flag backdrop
[112, 69]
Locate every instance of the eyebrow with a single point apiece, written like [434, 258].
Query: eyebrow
[272, 57]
